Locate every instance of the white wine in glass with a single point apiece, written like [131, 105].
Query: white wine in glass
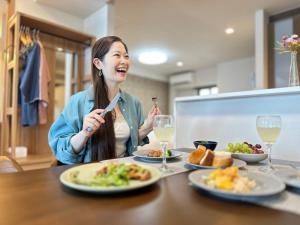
[268, 128]
[163, 127]
[269, 135]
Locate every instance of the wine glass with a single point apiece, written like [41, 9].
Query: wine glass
[163, 127]
[268, 127]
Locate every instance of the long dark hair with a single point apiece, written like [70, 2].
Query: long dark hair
[103, 140]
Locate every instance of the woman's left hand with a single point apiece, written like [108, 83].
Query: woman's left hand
[152, 113]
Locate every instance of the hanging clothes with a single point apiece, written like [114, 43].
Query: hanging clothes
[44, 80]
[29, 87]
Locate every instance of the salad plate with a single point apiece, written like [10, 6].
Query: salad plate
[251, 153]
[143, 155]
[265, 185]
[82, 178]
[250, 158]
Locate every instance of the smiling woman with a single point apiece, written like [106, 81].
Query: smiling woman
[81, 133]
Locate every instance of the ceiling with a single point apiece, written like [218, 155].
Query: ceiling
[191, 31]
[79, 8]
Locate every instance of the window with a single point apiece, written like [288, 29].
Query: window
[210, 90]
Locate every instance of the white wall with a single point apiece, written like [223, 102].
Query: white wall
[202, 77]
[206, 77]
[261, 49]
[97, 25]
[236, 75]
[49, 14]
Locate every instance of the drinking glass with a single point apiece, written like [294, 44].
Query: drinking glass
[268, 127]
[163, 127]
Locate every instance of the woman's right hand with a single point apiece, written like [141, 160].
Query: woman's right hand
[92, 122]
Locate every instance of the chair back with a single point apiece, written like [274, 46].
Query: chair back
[9, 165]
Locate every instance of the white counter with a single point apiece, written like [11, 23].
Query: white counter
[231, 117]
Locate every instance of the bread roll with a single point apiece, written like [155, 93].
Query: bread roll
[201, 147]
[207, 159]
[196, 155]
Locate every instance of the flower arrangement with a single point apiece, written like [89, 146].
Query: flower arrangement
[291, 45]
[288, 44]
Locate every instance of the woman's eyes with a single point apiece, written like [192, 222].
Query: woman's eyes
[119, 55]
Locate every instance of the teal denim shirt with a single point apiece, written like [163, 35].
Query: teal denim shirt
[70, 122]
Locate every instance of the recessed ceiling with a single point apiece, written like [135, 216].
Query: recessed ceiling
[191, 31]
[79, 8]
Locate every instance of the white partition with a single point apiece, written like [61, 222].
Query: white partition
[231, 117]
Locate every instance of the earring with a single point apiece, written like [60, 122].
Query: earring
[100, 73]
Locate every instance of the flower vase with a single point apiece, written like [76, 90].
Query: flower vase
[293, 76]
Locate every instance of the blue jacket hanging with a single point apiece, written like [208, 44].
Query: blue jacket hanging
[29, 87]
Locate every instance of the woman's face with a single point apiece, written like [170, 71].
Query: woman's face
[115, 64]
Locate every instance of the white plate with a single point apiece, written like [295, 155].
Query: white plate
[289, 176]
[236, 162]
[250, 158]
[266, 185]
[89, 170]
[142, 154]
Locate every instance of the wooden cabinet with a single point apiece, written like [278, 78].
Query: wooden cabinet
[52, 36]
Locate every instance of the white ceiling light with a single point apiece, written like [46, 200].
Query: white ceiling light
[152, 57]
[179, 64]
[229, 30]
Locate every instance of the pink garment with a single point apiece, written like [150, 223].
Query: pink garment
[45, 78]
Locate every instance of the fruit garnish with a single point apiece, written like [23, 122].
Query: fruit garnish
[245, 147]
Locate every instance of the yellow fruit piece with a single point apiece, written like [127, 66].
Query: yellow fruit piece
[224, 183]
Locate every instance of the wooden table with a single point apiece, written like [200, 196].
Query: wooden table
[38, 198]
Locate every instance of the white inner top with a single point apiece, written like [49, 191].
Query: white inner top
[122, 132]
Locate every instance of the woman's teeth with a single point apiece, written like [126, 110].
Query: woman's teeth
[121, 70]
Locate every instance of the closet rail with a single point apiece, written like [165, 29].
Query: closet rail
[56, 30]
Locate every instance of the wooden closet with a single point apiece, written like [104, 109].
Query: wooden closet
[52, 36]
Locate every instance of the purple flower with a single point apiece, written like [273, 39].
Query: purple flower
[289, 43]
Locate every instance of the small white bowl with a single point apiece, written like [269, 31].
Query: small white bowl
[250, 158]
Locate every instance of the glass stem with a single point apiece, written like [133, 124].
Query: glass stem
[269, 147]
[164, 149]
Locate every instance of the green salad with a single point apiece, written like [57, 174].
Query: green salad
[168, 153]
[111, 175]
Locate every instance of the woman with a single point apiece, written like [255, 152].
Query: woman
[80, 134]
